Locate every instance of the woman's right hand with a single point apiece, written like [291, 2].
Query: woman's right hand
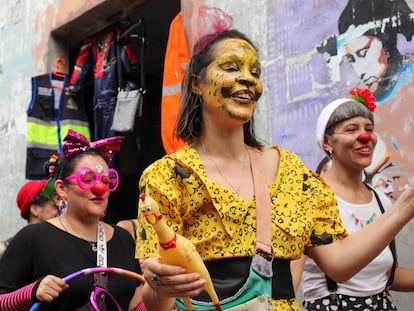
[50, 288]
[173, 280]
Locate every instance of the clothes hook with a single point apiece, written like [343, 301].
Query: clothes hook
[59, 61]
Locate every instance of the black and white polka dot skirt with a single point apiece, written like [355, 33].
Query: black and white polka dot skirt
[379, 302]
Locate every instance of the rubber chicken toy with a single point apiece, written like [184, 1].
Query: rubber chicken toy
[176, 249]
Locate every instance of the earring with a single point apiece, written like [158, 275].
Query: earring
[63, 203]
[329, 152]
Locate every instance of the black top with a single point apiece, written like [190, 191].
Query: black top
[41, 249]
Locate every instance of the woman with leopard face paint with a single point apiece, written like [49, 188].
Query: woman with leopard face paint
[206, 192]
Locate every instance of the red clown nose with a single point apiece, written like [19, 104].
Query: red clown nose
[99, 189]
[364, 137]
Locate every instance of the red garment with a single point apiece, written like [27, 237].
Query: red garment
[19, 300]
[100, 48]
[26, 194]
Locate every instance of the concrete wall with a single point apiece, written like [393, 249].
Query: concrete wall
[26, 49]
[20, 34]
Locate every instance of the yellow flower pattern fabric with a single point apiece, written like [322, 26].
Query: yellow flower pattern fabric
[223, 225]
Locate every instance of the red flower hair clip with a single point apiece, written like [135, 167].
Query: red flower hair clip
[364, 96]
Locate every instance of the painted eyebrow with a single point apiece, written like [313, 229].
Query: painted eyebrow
[233, 59]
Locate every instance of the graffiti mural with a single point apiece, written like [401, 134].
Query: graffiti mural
[319, 51]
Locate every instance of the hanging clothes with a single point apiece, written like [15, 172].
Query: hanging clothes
[98, 55]
[50, 114]
[176, 59]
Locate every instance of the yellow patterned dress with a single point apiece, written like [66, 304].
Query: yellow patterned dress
[223, 225]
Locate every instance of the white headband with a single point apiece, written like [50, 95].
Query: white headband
[324, 118]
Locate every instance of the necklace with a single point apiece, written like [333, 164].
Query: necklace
[354, 211]
[358, 221]
[236, 189]
[92, 244]
[363, 223]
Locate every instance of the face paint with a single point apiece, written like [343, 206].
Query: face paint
[226, 92]
[232, 81]
[99, 168]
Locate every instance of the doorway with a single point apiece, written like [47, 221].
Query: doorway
[144, 146]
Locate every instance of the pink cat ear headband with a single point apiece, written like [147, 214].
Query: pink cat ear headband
[364, 96]
[75, 142]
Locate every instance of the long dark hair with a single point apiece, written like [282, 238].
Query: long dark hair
[190, 119]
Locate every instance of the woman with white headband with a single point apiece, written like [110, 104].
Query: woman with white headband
[345, 131]
[210, 192]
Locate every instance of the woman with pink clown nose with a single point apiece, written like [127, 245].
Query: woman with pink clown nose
[345, 132]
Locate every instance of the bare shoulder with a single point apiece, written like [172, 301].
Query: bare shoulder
[127, 225]
[270, 160]
[271, 154]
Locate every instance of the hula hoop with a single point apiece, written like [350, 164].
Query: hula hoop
[93, 270]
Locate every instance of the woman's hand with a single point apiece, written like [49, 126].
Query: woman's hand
[405, 202]
[171, 281]
[164, 283]
[50, 288]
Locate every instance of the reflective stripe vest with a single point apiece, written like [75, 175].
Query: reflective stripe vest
[50, 114]
[176, 59]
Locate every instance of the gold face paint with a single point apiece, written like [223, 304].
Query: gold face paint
[232, 82]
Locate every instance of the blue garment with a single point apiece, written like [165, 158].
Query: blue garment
[51, 112]
[99, 55]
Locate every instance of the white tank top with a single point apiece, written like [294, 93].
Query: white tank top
[372, 279]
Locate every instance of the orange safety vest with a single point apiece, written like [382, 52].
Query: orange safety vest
[176, 59]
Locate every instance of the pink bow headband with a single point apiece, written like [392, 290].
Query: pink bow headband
[75, 142]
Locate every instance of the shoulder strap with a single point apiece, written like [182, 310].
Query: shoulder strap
[134, 227]
[392, 244]
[118, 63]
[333, 286]
[142, 38]
[263, 209]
